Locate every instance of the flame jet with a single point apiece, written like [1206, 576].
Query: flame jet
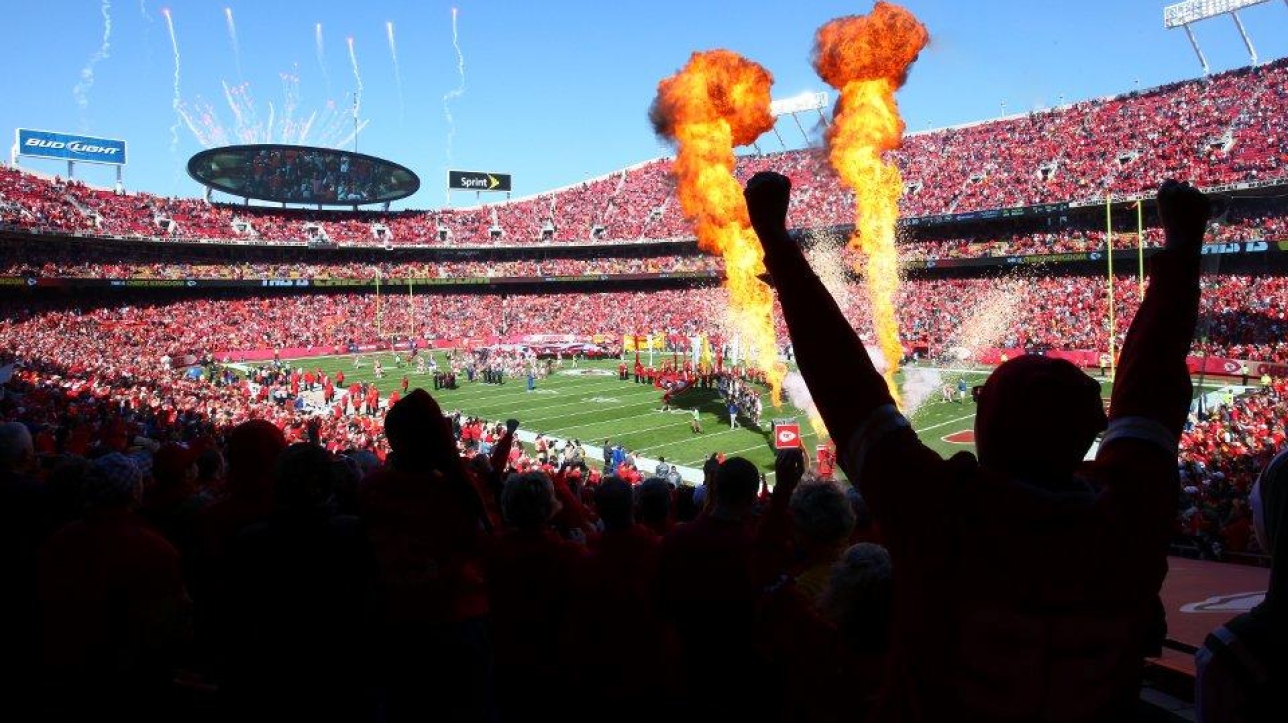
[867, 58]
[720, 100]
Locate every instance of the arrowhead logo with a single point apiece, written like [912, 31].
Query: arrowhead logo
[492, 182]
[787, 436]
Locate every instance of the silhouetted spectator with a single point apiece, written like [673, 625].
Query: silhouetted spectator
[829, 657]
[174, 502]
[114, 608]
[686, 508]
[427, 528]
[210, 472]
[653, 502]
[253, 447]
[300, 604]
[65, 489]
[530, 575]
[24, 524]
[1243, 665]
[1026, 582]
[857, 599]
[822, 521]
[709, 583]
[619, 645]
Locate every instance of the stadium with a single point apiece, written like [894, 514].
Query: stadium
[241, 362]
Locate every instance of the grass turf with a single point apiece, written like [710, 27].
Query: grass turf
[589, 403]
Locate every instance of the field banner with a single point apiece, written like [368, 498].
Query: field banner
[643, 342]
[787, 434]
[67, 147]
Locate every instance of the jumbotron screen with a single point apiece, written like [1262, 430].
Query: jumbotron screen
[302, 174]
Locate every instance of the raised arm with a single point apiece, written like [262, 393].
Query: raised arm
[500, 457]
[845, 385]
[1152, 390]
[875, 443]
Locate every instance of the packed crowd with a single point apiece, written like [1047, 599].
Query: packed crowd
[1213, 131]
[1270, 224]
[1242, 317]
[184, 543]
[242, 561]
[98, 262]
[110, 259]
[1224, 447]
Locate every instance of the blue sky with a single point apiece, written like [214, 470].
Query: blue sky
[556, 91]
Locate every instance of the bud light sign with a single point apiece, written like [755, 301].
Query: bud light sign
[47, 144]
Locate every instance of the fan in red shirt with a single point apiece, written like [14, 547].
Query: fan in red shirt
[1025, 582]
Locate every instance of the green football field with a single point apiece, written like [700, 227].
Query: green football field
[590, 404]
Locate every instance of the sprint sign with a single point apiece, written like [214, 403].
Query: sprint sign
[787, 434]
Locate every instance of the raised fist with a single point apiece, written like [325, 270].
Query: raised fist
[1184, 212]
[767, 196]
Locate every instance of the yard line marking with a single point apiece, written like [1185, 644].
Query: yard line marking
[945, 424]
[490, 401]
[559, 430]
[694, 438]
[595, 409]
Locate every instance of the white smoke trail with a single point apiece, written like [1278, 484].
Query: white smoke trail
[208, 118]
[456, 92]
[290, 101]
[336, 122]
[239, 118]
[306, 127]
[174, 104]
[251, 110]
[393, 52]
[147, 31]
[352, 135]
[268, 129]
[82, 88]
[357, 78]
[321, 53]
[330, 125]
[232, 38]
[202, 137]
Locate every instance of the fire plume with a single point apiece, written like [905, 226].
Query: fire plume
[720, 100]
[866, 58]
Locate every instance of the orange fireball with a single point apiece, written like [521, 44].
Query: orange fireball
[718, 101]
[867, 59]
